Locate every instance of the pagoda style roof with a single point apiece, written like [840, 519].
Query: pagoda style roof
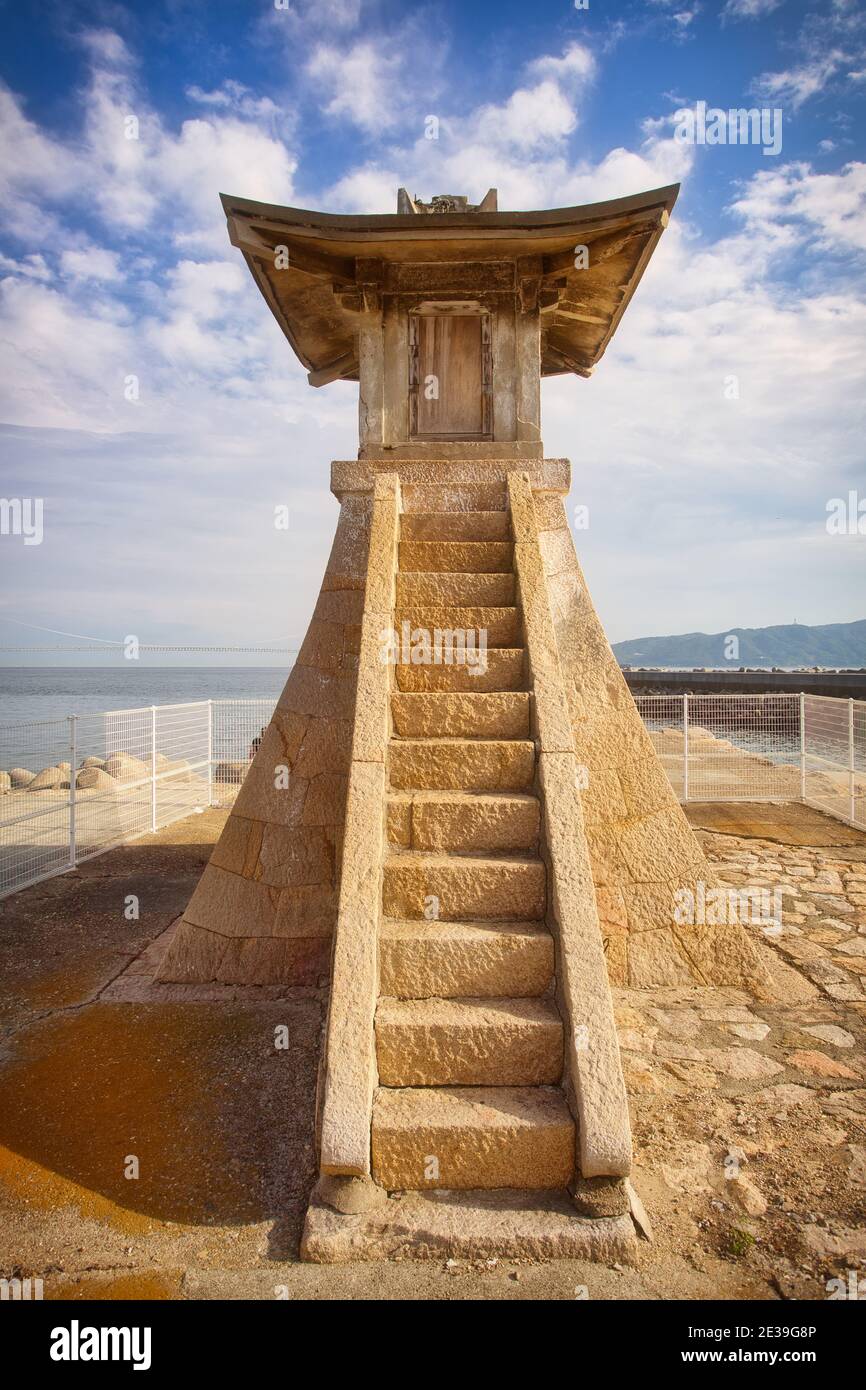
[318, 271]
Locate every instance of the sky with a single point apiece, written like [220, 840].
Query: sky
[149, 398]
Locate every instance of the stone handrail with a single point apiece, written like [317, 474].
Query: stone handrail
[349, 1074]
[592, 1052]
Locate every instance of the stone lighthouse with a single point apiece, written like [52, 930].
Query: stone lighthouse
[471, 850]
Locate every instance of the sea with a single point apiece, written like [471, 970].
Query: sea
[29, 693]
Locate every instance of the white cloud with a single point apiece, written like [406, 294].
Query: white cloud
[301, 16]
[472, 157]
[159, 177]
[33, 166]
[208, 157]
[106, 47]
[830, 207]
[91, 263]
[679, 19]
[798, 84]
[532, 117]
[61, 364]
[749, 9]
[370, 188]
[197, 332]
[33, 267]
[573, 68]
[361, 84]
[342, 14]
[236, 97]
[519, 146]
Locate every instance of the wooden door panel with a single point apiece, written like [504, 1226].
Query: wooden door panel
[449, 386]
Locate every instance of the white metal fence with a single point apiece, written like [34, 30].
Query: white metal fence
[809, 748]
[138, 770]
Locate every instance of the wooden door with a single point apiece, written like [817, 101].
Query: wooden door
[450, 376]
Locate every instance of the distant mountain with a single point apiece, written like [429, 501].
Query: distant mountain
[789, 644]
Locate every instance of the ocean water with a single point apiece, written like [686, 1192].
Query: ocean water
[33, 693]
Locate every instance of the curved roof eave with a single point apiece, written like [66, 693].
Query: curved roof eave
[419, 223]
[333, 243]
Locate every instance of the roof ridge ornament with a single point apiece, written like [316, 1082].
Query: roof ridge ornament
[446, 202]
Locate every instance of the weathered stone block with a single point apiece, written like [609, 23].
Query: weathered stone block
[449, 715]
[465, 889]
[295, 856]
[453, 960]
[232, 906]
[465, 764]
[419, 589]
[449, 1042]
[489, 1137]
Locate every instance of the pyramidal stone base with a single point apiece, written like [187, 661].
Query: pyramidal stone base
[474, 1225]
[265, 909]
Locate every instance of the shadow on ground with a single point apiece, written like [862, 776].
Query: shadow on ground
[218, 1119]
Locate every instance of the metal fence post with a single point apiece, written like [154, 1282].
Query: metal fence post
[73, 774]
[685, 748]
[851, 759]
[153, 768]
[210, 752]
[802, 745]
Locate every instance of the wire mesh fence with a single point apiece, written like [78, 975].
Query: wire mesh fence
[727, 747]
[71, 788]
[809, 748]
[834, 756]
[135, 771]
[238, 728]
[35, 836]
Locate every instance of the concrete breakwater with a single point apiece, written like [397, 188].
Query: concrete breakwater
[846, 685]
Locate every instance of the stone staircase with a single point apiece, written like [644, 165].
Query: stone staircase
[469, 1039]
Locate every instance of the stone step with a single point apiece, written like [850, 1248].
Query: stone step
[456, 526]
[473, 557]
[499, 668]
[454, 497]
[454, 764]
[468, 1042]
[454, 960]
[500, 622]
[436, 820]
[472, 1137]
[499, 1224]
[456, 888]
[420, 588]
[434, 714]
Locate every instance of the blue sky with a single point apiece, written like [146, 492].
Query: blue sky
[707, 511]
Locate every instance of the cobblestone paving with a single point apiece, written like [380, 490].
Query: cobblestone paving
[750, 1118]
